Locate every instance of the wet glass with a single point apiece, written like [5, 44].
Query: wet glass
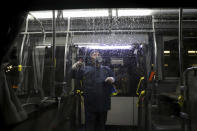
[56, 62]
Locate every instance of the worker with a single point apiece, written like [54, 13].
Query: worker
[97, 80]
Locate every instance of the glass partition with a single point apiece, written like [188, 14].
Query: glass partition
[96, 55]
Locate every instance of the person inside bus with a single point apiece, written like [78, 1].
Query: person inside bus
[98, 81]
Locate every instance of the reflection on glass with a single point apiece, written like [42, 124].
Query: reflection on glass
[124, 39]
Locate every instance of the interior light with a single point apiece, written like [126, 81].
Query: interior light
[106, 47]
[114, 12]
[43, 46]
[194, 65]
[92, 13]
[86, 13]
[191, 52]
[86, 43]
[166, 65]
[134, 12]
[166, 52]
[41, 14]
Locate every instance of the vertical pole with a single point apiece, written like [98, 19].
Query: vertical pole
[53, 54]
[66, 48]
[180, 46]
[23, 42]
[54, 35]
[155, 67]
[155, 46]
[184, 123]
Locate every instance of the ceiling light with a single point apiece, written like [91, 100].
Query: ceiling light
[41, 14]
[106, 47]
[166, 52]
[134, 12]
[191, 52]
[166, 65]
[86, 13]
[91, 13]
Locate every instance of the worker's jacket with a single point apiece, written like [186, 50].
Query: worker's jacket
[96, 91]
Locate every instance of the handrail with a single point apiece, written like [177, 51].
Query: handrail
[185, 76]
